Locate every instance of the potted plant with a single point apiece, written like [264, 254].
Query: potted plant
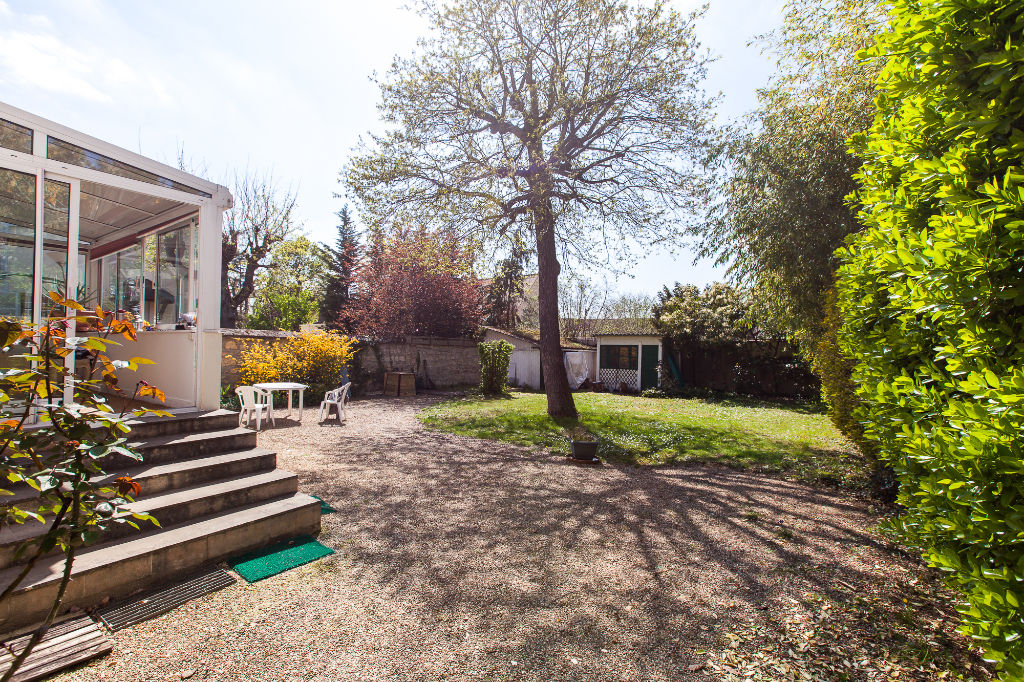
[583, 447]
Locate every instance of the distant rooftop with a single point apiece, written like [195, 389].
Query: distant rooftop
[533, 336]
[639, 326]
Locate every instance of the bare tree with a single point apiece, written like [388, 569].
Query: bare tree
[261, 218]
[580, 302]
[638, 307]
[577, 122]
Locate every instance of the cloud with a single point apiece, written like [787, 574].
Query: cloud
[43, 61]
[37, 56]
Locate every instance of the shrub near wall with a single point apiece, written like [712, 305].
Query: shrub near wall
[312, 358]
[494, 360]
[932, 297]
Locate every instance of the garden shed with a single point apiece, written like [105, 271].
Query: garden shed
[525, 368]
[632, 359]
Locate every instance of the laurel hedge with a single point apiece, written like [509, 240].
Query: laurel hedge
[495, 357]
[932, 298]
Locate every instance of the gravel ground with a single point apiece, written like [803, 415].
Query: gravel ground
[465, 559]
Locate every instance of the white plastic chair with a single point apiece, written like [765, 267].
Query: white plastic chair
[255, 402]
[337, 399]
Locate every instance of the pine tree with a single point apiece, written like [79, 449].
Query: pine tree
[344, 259]
[502, 302]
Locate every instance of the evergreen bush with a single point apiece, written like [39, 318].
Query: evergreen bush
[932, 298]
[494, 359]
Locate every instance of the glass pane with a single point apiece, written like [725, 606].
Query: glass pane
[81, 294]
[129, 280]
[173, 263]
[149, 276]
[17, 242]
[16, 137]
[108, 282]
[59, 150]
[56, 210]
[194, 308]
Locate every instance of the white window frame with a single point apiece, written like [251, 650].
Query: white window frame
[205, 277]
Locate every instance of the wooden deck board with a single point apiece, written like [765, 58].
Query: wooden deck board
[65, 645]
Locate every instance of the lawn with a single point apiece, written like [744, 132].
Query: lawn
[798, 441]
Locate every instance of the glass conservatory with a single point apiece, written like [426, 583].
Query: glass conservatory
[105, 226]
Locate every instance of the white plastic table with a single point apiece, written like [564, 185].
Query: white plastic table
[286, 386]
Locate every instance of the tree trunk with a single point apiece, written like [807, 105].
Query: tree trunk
[228, 314]
[556, 383]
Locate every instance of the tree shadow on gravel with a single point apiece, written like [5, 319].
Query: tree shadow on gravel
[585, 573]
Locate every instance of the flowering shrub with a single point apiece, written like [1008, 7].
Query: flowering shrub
[63, 454]
[316, 359]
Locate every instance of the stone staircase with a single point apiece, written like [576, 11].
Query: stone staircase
[215, 494]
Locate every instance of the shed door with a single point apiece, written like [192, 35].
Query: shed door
[649, 367]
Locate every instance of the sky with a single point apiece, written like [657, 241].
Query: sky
[281, 87]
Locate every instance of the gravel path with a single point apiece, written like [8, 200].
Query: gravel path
[465, 559]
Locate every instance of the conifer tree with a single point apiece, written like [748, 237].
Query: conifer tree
[501, 304]
[344, 258]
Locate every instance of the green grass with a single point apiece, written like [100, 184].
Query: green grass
[797, 441]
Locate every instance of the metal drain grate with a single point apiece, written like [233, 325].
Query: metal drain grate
[155, 603]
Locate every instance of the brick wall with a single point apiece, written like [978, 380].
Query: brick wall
[436, 362]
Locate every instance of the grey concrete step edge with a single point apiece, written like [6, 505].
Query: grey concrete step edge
[123, 567]
[213, 420]
[158, 478]
[184, 446]
[173, 507]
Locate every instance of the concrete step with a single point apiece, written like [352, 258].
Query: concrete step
[172, 507]
[120, 568]
[157, 478]
[191, 422]
[178, 447]
[194, 502]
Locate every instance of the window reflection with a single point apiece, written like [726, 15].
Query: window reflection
[618, 357]
[150, 279]
[174, 255]
[16, 137]
[17, 242]
[59, 150]
[56, 213]
[120, 278]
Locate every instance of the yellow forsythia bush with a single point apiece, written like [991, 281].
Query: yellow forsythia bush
[312, 358]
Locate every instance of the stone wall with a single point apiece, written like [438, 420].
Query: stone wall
[436, 362]
[233, 341]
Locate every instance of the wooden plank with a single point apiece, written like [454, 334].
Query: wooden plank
[56, 633]
[49, 647]
[48, 661]
[66, 644]
[83, 654]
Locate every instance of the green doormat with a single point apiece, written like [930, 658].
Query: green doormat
[324, 507]
[278, 558]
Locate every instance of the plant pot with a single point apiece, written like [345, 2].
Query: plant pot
[585, 450]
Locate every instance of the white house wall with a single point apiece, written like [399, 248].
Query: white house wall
[175, 370]
[524, 369]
